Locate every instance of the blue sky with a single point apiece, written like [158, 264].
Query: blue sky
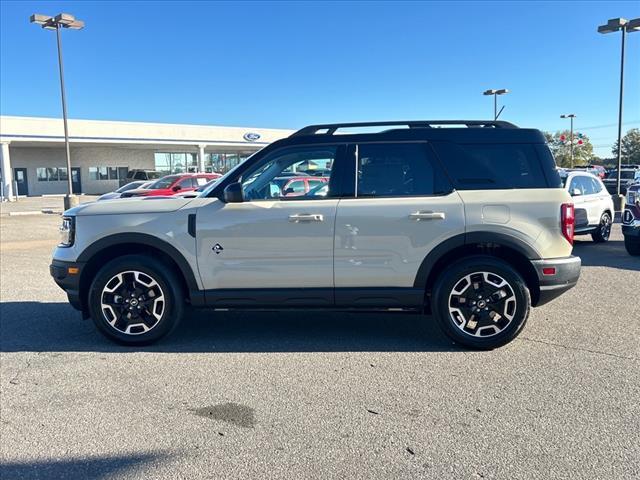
[289, 64]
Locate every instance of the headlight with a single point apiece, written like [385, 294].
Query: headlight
[632, 197]
[67, 231]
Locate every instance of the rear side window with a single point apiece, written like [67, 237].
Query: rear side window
[492, 166]
[398, 170]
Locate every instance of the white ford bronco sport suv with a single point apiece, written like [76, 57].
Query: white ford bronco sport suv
[468, 223]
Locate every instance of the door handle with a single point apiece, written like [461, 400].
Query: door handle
[426, 216]
[306, 217]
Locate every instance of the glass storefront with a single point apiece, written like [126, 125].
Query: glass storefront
[223, 162]
[167, 163]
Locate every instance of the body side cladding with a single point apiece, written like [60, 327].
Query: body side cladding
[313, 298]
[142, 239]
[469, 239]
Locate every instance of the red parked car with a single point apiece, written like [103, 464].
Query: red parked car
[172, 184]
[298, 186]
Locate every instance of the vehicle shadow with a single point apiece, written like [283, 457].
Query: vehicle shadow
[57, 327]
[92, 468]
[611, 254]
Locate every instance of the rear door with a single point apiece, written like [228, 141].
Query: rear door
[401, 208]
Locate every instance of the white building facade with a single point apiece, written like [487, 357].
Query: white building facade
[33, 160]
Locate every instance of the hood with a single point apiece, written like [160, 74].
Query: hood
[119, 206]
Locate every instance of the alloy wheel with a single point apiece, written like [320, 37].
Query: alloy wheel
[605, 226]
[132, 302]
[482, 304]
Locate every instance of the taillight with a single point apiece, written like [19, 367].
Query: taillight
[568, 221]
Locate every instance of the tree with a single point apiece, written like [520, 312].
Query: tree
[630, 147]
[561, 149]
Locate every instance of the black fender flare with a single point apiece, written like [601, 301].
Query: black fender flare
[142, 239]
[471, 238]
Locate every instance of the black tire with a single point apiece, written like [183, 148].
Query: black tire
[603, 231]
[159, 300]
[514, 301]
[632, 244]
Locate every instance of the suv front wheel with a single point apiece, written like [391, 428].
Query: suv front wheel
[135, 300]
[481, 302]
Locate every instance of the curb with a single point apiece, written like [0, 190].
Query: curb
[33, 212]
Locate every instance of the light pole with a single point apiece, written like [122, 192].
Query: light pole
[624, 25]
[62, 20]
[495, 94]
[570, 116]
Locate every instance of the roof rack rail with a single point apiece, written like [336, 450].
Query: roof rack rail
[330, 128]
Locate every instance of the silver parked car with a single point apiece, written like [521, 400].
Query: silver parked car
[129, 186]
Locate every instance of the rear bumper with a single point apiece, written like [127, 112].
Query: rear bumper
[567, 273]
[68, 282]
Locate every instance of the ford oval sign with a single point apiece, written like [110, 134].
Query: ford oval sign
[251, 136]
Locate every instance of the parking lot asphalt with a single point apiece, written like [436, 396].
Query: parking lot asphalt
[315, 395]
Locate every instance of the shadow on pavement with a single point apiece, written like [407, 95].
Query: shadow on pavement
[90, 468]
[36, 326]
[610, 254]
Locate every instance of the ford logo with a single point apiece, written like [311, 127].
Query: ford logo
[251, 136]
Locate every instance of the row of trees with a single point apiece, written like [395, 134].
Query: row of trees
[583, 154]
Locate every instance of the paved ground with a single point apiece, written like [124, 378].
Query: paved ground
[248, 395]
[49, 204]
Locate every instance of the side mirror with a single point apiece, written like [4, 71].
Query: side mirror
[233, 193]
[177, 188]
[576, 192]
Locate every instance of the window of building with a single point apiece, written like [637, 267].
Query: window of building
[169, 163]
[105, 173]
[41, 173]
[223, 162]
[62, 174]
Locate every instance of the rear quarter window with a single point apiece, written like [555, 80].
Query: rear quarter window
[494, 166]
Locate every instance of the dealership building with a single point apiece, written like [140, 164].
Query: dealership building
[33, 158]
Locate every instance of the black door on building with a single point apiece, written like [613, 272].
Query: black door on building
[76, 183]
[20, 177]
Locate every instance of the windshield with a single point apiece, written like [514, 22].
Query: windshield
[164, 182]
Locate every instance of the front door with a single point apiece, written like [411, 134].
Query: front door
[271, 240]
[20, 177]
[403, 207]
[76, 183]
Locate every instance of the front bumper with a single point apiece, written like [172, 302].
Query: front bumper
[67, 276]
[565, 277]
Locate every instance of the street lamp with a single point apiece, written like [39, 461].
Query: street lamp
[62, 20]
[570, 116]
[495, 94]
[624, 25]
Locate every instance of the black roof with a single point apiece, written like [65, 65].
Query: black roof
[457, 131]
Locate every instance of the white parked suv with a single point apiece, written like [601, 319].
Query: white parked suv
[593, 205]
[469, 224]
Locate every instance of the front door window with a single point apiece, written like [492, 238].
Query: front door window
[284, 174]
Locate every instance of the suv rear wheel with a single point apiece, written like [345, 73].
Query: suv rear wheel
[481, 302]
[135, 300]
[603, 231]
